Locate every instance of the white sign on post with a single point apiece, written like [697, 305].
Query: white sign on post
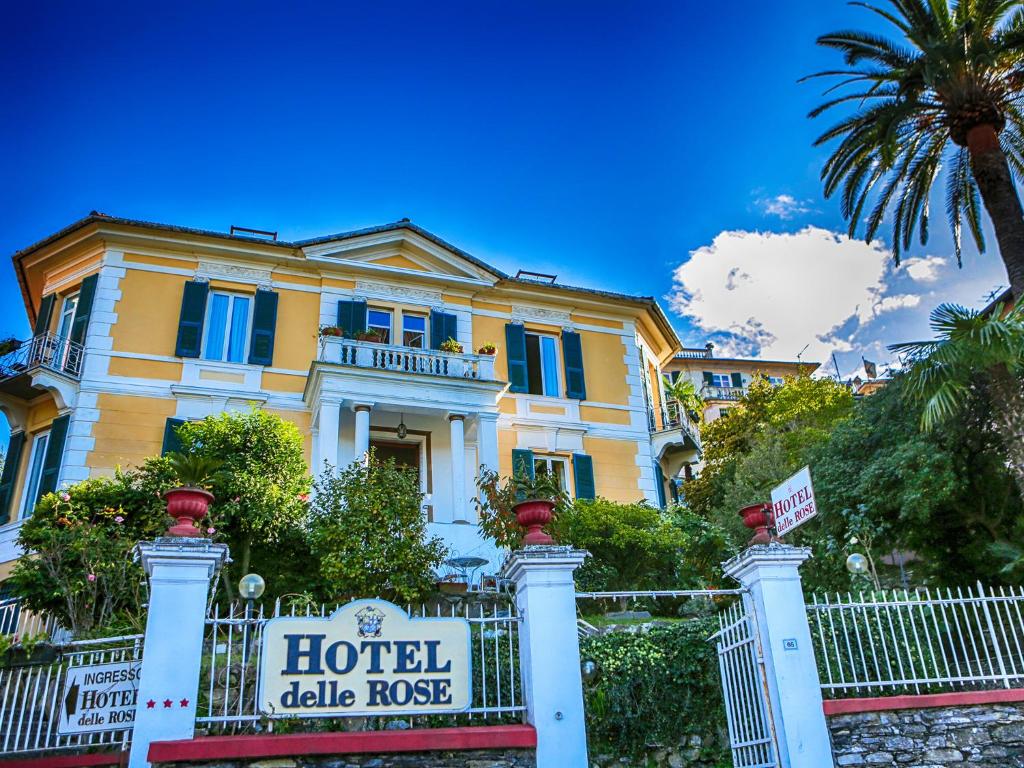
[793, 502]
[100, 697]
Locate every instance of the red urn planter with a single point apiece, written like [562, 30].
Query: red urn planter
[758, 517]
[187, 506]
[533, 515]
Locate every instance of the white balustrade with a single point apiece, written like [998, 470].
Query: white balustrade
[390, 357]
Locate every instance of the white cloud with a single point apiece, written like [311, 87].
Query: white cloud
[784, 206]
[924, 269]
[769, 294]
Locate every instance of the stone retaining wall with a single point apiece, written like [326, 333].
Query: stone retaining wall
[982, 736]
[481, 758]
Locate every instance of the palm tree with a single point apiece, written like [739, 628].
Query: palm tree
[684, 392]
[974, 350]
[946, 96]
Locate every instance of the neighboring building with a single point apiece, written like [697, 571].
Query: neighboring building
[139, 327]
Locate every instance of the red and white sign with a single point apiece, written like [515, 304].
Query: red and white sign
[793, 502]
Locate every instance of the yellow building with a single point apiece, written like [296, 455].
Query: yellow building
[140, 326]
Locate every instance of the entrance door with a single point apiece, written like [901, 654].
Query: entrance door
[404, 454]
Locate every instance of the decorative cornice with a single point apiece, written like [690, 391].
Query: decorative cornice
[404, 292]
[551, 316]
[212, 270]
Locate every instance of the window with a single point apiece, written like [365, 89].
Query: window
[227, 327]
[35, 472]
[414, 331]
[379, 320]
[721, 380]
[775, 381]
[551, 465]
[542, 365]
[67, 315]
[673, 376]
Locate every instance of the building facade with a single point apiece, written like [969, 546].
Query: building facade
[139, 327]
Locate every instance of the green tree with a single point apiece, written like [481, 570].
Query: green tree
[262, 487]
[684, 392]
[368, 534]
[945, 95]
[974, 351]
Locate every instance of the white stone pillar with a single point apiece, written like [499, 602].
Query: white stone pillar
[549, 651]
[328, 425]
[771, 574]
[179, 571]
[487, 439]
[457, 424]
[362, 431]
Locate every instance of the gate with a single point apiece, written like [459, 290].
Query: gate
[751, 736]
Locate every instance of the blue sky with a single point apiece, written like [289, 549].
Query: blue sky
[658, 148]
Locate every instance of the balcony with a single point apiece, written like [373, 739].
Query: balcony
[46, 352]
[405, 360]
[723, 393]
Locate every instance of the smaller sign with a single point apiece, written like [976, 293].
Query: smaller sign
[793, 502]
[100, 697]
[789, 644]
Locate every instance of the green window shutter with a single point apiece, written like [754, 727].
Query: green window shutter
[737, 379]
[172, 443]
[572, 353]
[54, 455]
[443, 326]
[10, 474]
[44, 316]
[515, 351]
[708, 379]
[190, 322]
[351, 317]
[522, 459]
[659, 482]
[583, 471]
[86, 295]
[264, 324]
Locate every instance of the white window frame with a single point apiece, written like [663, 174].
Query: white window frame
[776, 381]
[227, 326]
[426, 329]
[717, 380]
[68, 308]
[558, 365]
[391, 322]
[548, 461]
[36, 462]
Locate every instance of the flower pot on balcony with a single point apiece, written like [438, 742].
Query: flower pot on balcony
[187, 506]
[533, 515]
[487, 349]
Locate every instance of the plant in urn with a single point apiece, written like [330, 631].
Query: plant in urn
[758, 517]
[188, 502]
[539, 495]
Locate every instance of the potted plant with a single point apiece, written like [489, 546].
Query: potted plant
[487, 349]
[331, 330]
[538, 496]
[371, 335]
[188, 502]
[8, 345]
[451, 345]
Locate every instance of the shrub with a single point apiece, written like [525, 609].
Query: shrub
[497, 497]
[654, 688]
[81, 539]
[369, 536]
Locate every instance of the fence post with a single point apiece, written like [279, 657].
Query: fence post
[549, 651]
[770, 573]
[179, 570]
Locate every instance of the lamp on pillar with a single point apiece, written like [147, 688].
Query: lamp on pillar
[759, 518]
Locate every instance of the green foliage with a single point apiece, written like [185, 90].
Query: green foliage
[194, 470]
[684, 392]
[497, 497]
[635, 546]
[81, 569]
[367, 532]
[654, 687]
[954, 66]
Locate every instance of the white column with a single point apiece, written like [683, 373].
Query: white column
[362, 431]
[771, 574]
[457, 423]
[487, 439]
[549, 651]
[328, 424]
[179, 582]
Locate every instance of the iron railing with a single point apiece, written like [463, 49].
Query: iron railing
[231, 654]
[674, 416]
[709, 392]
[389, 357]
[919, 642]
[20, 624]
[31, 696]
[46, 350]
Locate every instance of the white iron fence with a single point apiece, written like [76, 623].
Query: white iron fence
[919, 642]
[231, 655]
[19, 624]
[31, 695]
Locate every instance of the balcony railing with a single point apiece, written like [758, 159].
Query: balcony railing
[673, 416]
[47, 350]
[388, 357]
[722, 393]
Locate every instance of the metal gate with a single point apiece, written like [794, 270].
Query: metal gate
[751, 736]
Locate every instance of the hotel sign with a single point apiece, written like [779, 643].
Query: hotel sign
[368, 658]
[793, 502]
